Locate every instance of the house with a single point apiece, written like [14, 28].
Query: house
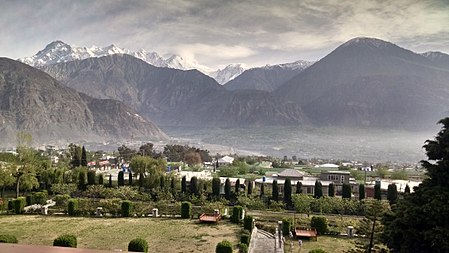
[225, 160]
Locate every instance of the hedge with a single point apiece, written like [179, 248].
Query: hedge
[40, 197]
[245, 237]
[287, 224]
[186, 209]
[30, 199]
[127, 207]
[248, 223]
[19, 204]
[224, 247]
[243, 248]
[8, 239]
[237, 213]
[65, 241]
[138, 245]
[320, 224]
[72, 207]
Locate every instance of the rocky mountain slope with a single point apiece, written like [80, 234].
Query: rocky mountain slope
[33, 101]
[370, 82]
[173, 97]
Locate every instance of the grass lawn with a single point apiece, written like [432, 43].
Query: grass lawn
[163, 235]
[326, 243]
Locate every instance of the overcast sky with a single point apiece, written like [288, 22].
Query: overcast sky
[218, 32]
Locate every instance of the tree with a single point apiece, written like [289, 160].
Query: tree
[91, 177]
[149, 168]
[288, 192]
[237, 187]
[146, 149]
[331, 190]
[75, 153]
[262, 190]
[392, 194]
[377, 192]
[216, 187]
[83, 157]
[6, 176]
[25, 173]
[407, 189]
[227, 189]
[100, 179]
[130, 180]
[298, 187]
[275, 191]
[110, 181]
[361, 191]
[126, 153]
[121, 179]
[318, 190]
[184, 184]
[370, 226]
[346, 192]
[250, 187]
[173, 185]
[194, 186]
[192, 158]
[82, 180]
[419, 223]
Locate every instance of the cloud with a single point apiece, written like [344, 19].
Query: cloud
[220, 51]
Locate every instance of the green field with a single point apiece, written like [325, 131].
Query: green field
[163, 235]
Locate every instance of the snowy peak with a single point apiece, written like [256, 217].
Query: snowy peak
[367, 42]
[435, 55]
[297, 65]
[228, 73]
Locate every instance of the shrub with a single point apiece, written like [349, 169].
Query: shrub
[346, 192]
[186, 210]
[30, 199]
[19, 204]
[361, 191]
[82, 180]
[40, 197]
[138, 245]
[127, 207]
[11, 205]
[317, 251]
[121, 179]
[245, 237]
[331, 190]
[286, 226]
[72, 207]
[243, 248]
[8, 239]
[61, 200]
[100, 179]
[320, 224]
[65, 241]
[216, 187]
[224, 247]
[248, 223]
[91, 177]
[237, 212]
[377, 192]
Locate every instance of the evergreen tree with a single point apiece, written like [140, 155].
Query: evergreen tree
[250, 187]
[392, 194]
[162, 182]
[130, 181]
[76, 160]
[227, 189]
[331, 190]
[419, 222]
[361, 191]
[100, 179]
[216, 187]
[173, 185]
[377, 192]
[141, 176]
[288, 192]
[194, 186]
[275, 191]
[346, 192]
[121, 179]
[184, 184]
[110, 181]
[262, 190]
[82, 180]
[83, 157]
[298, 187]
[371, 227]
[407, 189]
[237, 187]
[91, 177]
[318, 193]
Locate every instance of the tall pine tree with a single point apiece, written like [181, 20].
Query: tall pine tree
[83, 157]
[275, 191]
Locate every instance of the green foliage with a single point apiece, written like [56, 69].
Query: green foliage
[377, 192]
[250, 187]
[407, 189]
[126, 153]
[298, 187]
[83, 157]
[68, 241]
[251, 203]
[317, 251]
[331, 190]
[399, 174]
[227, 189]
[318, 190]
[184, 184]
[237, 186]
[130, 178]
[30, 199]
[100, 179]
[237, 212]
[68, 189]
[127, 209]
[346, 193]
[8, 239]
[320, 224]
[226, 171]
[138, 245]
[287, 225]
[19, 204]
[194, 186]
[186, 210]
[262, 190]
[216, 187]
[288, 192]
[392, 194]
[110, 181]
[61, 200]
[82, 180]
[245, 237]
[243, 248]
[275, 191]
[361, 191]
[224, 247]
[121, 178]
[248, 223]
[72, 207]
[40, 197]
[91, 177]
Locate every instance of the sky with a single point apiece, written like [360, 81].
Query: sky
[219, 32]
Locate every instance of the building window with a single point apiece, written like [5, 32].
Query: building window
[342, 179]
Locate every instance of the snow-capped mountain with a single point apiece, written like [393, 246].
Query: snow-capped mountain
[228, 73]
[297, 65]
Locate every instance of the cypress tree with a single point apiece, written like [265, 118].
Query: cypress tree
[407, 189]
[100, 179]
[173, 185]
[288, 192]
[318, 190]
[162, 182]
[262, 190]
[347, 194]
[237, 186]
[110, 181]
[141, 175]
[82, 180]
[130, 181]
[121, 179]
[275, 191]
[91, 177]
[83, 157]
[216, 187]
[184, 184]
[227, 189]
[76, 160]
[194, 186]
[331, 191]
[298, 187]
[392, 194]
[377, 192]
[250, 188]
[361, 191]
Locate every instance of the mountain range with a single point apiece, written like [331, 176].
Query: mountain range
[34, 102]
